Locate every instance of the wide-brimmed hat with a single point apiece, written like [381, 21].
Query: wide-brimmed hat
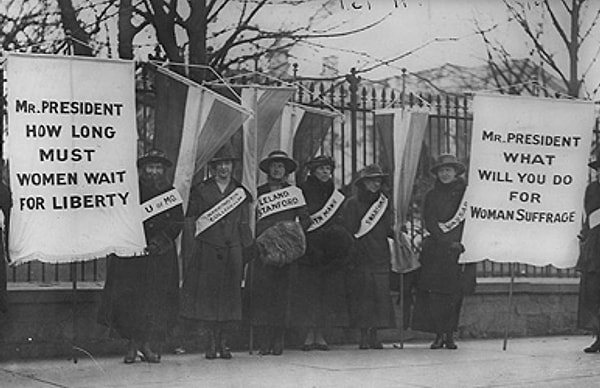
[223, 154]
[278, 156]
[318, 161]
[370, 171]
[154, 156]
[448, 160]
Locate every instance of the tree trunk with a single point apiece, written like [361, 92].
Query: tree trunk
[196, 29]
[126, 30]
[81, 39]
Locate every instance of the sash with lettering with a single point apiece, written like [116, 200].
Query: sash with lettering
[372, 216]
[220, 210]
[160, 203]
[279, 200]
[324, 214]
[456, 220]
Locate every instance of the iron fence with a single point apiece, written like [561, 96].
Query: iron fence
[353, 143]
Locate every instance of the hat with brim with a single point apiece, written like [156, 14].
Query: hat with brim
[370, 171]
[448, 160]
[595, 164]
[278, 156]
[318, 161]
[154, 156]
[225, 153]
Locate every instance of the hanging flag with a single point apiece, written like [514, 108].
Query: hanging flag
[401, 132]
[527, 178]
[192, 123]
[71, 147]
[267, 103]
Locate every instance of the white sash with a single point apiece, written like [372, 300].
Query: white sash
[279, 200]
[372, 216]
[220, 210]
[160, 203]
[456, 220]
[594, 219]
[324, 214]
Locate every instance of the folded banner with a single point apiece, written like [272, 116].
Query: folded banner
[401, 132]
[267, 103]
[71, 147]
[527, 178]
[192, 123]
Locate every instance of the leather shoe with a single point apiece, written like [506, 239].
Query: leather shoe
[593, 348]
[149, 356]
[130, 356]
[323, 347]
[307, 347]
[438, 343]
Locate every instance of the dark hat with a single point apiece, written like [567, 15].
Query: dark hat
[278, 156]
[595, 164]
[448, 160]
[224, 153]
[370, 171]
[154, 156]
[318, 161]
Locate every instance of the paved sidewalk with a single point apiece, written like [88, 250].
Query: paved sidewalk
[527, 362]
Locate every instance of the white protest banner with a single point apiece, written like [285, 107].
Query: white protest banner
[527, 176]
[71, 148]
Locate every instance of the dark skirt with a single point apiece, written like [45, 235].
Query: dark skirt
[370, 300]
[212, 284]
[267, 294]
[140, 299]
[588, 312]
[318, 297]
[436, 312]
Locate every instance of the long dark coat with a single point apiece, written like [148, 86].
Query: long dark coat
[441, 278]
[588, 314]
[269, 286]
[140, 299]
[318, 287]
[368, 280]
[212, 280]
[5, 205]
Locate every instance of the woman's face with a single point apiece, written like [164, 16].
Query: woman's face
[373, 184]
[277, 170]
[223, 169]
[322, 173]
[446, 174]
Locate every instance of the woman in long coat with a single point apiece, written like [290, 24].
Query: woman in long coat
[367, 217]
[211, 293]
[588, 314]
[140, 300]
[269, 284]
[318, 289]
[439, 293]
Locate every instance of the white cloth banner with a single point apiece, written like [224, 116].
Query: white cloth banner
[71, 148]
[527, 178]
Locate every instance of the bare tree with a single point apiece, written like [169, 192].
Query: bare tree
[549, 27]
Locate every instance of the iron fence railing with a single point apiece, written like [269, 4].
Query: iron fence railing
[353, 143]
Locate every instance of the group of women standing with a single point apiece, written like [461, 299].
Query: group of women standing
[319, 260]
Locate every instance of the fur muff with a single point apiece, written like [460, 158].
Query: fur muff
[281, 243]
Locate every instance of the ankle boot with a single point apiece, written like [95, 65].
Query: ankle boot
[277, 341]
[364, 339]
[224, 351]
[374, 343]
[211, 346]
[449, 341]
[264, 335]
[593, 348]
[438, 343]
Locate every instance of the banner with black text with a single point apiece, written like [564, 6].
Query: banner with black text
[527, 177]
[71, 149]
